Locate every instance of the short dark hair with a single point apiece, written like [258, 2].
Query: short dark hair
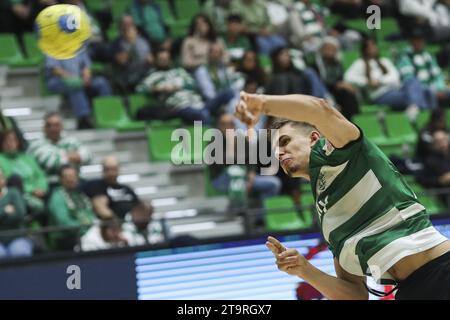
[51, 114]
[67, 166]
[6, 133]
[234, 18]
[278, 123]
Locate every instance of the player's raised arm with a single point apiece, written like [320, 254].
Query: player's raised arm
[344, 287]
[315, 111]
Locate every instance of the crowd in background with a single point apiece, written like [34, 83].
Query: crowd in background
[273, 47]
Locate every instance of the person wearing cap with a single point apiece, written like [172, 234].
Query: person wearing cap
[416, 62]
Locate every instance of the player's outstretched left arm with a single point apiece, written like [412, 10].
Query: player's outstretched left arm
[345, 287]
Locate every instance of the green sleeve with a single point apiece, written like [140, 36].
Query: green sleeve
[59, 210]
[324, 153]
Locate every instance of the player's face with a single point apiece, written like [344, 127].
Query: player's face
[294, 150]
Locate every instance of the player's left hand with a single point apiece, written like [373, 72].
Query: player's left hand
[288, 260]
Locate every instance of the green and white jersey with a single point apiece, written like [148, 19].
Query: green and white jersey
[368, 215]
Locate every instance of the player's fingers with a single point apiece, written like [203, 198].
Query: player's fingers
[284, 267]
[272, 248]
[288, 260]
[287, 253]
[277, 244]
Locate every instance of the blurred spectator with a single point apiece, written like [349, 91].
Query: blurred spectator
[102, 11]
[57, 148]
[12, 215]
[236, 40]
[132, 56]
[9, 123]
[17, 16]
[174, 88]
[290, 75]
[436, 172]
[352, 9]
[195, 47]
[381, 81]
[106, 235]
[329, 67]
[215, 76]
[250, 66]
[148, 17]
[69, 207]
[218, 11]
[110, 197]
[417, 62]
[431, 16]
[257, 22]
[97, 48]
[306, 26]
[73, 77]
[438, 121]
[260, 186]
[22, 166]
[139, 229]
[349, 9]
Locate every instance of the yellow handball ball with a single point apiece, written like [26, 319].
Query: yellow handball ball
[62, 30]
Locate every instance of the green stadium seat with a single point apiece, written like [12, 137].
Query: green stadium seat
[388, 26]
[350, 56]
[186, 9]
[110, 113]
[136, 102]
[399, 129]
[10, 53]
[34, 55]
[281, 214]
[210, 190]
[357, 24]
[265, 62]
[119, 7]
[166, 123]
[432, 204]
[160, 145]
[331, 20]
[308, 204]
[371, 127]
[372, 108]
[166, 11]
[422, 119]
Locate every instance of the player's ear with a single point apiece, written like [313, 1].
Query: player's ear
[314, 137]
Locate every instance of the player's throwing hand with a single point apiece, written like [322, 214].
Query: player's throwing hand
[288, 260]
[249, 108]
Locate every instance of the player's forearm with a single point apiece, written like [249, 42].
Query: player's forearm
[331, 287]
[296, 107]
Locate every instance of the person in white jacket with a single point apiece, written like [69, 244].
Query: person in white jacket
[381, 80]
